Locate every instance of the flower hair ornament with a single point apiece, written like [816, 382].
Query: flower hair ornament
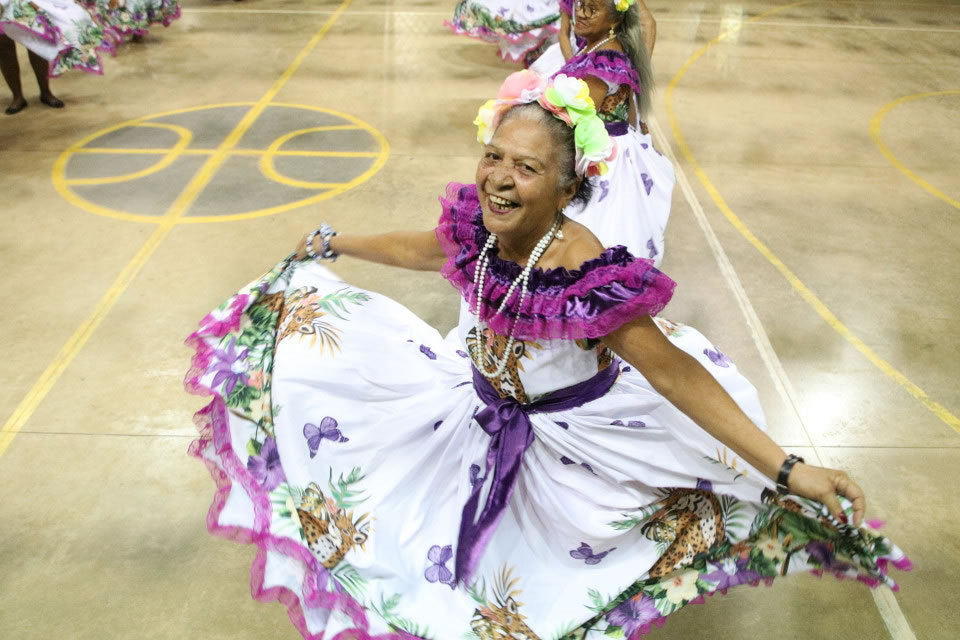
[568, 99]
[623, 5]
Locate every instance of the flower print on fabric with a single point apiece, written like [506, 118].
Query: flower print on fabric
[438, 571]
[229, 367]
[226, 318]
[265, 467]
[328, 430]
[635, 615]
[730, 572]
[585, 552]
[717, 357]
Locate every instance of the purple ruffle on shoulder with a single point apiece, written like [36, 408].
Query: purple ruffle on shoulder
[566, 6]
[606, 64]
[590, 302]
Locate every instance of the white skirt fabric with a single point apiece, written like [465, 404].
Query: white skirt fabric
[341, 435]
[631, 203]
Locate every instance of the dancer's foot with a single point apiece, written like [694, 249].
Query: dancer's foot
[16, 106]
[52, 101]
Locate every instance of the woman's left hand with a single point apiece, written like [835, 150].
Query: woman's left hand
[823, 485]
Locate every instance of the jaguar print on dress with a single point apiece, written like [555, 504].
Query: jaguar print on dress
[509, 383]
[501, 618]
[691, 520]
[330, 531]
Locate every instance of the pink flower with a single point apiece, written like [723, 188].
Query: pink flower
[522, 87]
[225, 319]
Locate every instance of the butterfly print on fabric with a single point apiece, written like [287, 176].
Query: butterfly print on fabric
[425, 350]
[438, 571]
[629, 423]
[328, 430]
[585, 552]
[604, 190]
[566, 460]
[652, 247]
[647, 182]
[463, 354]
[644, 145]
[475, 478]
[562, 425]
[437, 425]
[718, 358]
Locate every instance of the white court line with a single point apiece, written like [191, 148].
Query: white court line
[384, 12]
[896, 623]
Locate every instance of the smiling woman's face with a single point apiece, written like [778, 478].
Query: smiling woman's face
[519, 179]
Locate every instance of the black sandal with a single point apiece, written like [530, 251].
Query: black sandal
[12, 109]
[52, 102]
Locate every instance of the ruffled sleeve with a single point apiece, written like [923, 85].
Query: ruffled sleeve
[566, 6]
[590, 302]
[608, 65]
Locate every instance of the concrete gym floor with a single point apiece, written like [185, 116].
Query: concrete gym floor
[826, 132]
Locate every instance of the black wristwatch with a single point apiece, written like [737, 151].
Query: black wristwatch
[784, 474]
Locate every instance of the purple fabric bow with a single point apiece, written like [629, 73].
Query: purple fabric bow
[508, 424]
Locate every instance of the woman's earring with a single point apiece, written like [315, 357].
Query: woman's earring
[613, 33]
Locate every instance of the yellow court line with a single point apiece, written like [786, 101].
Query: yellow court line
[877, 122]
[204, 152]
[805, 292]
[26, 408]
[184, 138]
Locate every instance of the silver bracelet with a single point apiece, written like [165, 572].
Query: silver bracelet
[326, 233]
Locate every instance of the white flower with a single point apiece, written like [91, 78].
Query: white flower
[681, 586]
[574, 91]
[771, 549]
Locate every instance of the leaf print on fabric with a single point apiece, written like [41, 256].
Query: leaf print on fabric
[652, 249]
[265, 467]
[438, 571]
[585, 552]
[328, 430]
[717, 358]
[647, 182]
[635, 615]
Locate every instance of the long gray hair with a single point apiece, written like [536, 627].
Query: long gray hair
[630, 35]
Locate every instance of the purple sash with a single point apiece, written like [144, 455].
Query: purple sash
[508, 424]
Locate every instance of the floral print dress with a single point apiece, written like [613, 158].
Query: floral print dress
[521, 29]
[392, 491]
[123, 18]
[60, 31]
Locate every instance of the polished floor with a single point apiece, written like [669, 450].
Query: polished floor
[815, 235]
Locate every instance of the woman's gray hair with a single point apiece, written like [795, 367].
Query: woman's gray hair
[563, 138]
[630, 35]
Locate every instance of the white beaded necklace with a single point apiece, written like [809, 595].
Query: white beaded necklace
[479, 276]
[596, 46]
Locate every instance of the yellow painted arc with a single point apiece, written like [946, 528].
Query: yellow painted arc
[184, 138]
[269, 170]
[805, 292]
[29, 404]
[876, 123]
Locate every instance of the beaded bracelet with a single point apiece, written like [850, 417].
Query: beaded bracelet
[326, 232]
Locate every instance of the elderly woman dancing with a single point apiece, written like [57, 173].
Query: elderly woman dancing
[557, 468]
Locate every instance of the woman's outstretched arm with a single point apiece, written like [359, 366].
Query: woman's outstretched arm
[685, 383]
[418, 250]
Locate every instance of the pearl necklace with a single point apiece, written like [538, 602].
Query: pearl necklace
[596, 46]
[479, 276]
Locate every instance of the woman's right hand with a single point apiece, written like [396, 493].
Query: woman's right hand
[302, 247]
